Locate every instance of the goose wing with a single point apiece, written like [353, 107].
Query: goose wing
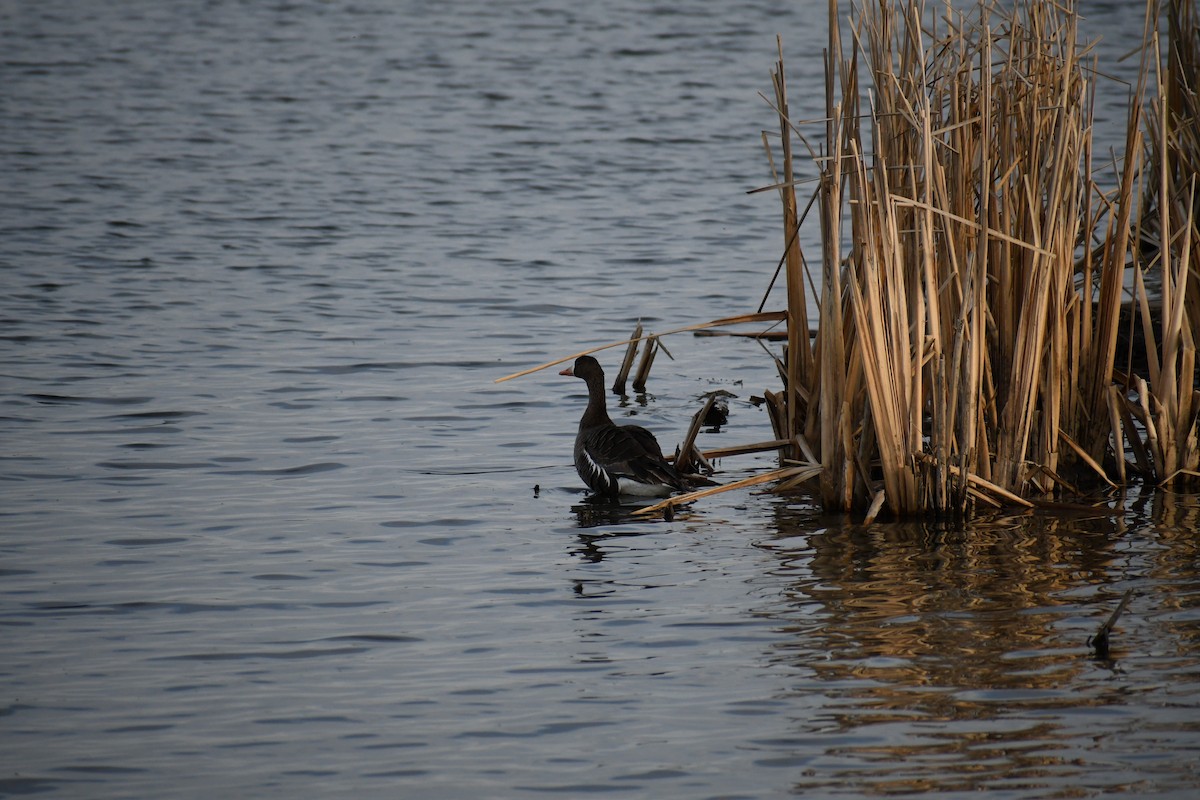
[629, 452]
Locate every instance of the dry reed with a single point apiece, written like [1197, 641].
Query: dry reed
[967, 338]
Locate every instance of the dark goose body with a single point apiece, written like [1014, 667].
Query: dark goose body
[617, 459]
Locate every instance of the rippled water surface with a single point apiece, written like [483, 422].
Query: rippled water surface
[269, 529]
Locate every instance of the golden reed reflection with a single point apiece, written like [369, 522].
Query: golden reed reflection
[1174, 520]
[938, 657]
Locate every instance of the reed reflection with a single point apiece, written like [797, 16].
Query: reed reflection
[942, 655]
[1175, 569]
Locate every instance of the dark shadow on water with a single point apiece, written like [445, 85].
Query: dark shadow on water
[593, 512]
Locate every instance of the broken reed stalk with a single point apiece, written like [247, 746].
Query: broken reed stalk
[960, 344]
[643, 372]
[618, 386]
[687, 449]
[799, 364]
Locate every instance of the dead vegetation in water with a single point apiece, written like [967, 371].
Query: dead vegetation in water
[966, 346]
[985, 334]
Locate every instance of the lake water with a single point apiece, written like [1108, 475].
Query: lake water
[269, 529]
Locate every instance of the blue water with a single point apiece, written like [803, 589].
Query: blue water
[269, 529]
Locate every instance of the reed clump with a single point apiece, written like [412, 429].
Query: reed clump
[973, 275]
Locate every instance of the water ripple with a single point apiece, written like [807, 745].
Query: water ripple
[268, 522]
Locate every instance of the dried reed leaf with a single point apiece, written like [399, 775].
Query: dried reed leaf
[809, 472]
[970, 223]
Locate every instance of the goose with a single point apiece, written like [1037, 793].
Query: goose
[616, 459]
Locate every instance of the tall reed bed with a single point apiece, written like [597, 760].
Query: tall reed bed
[972, 272]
